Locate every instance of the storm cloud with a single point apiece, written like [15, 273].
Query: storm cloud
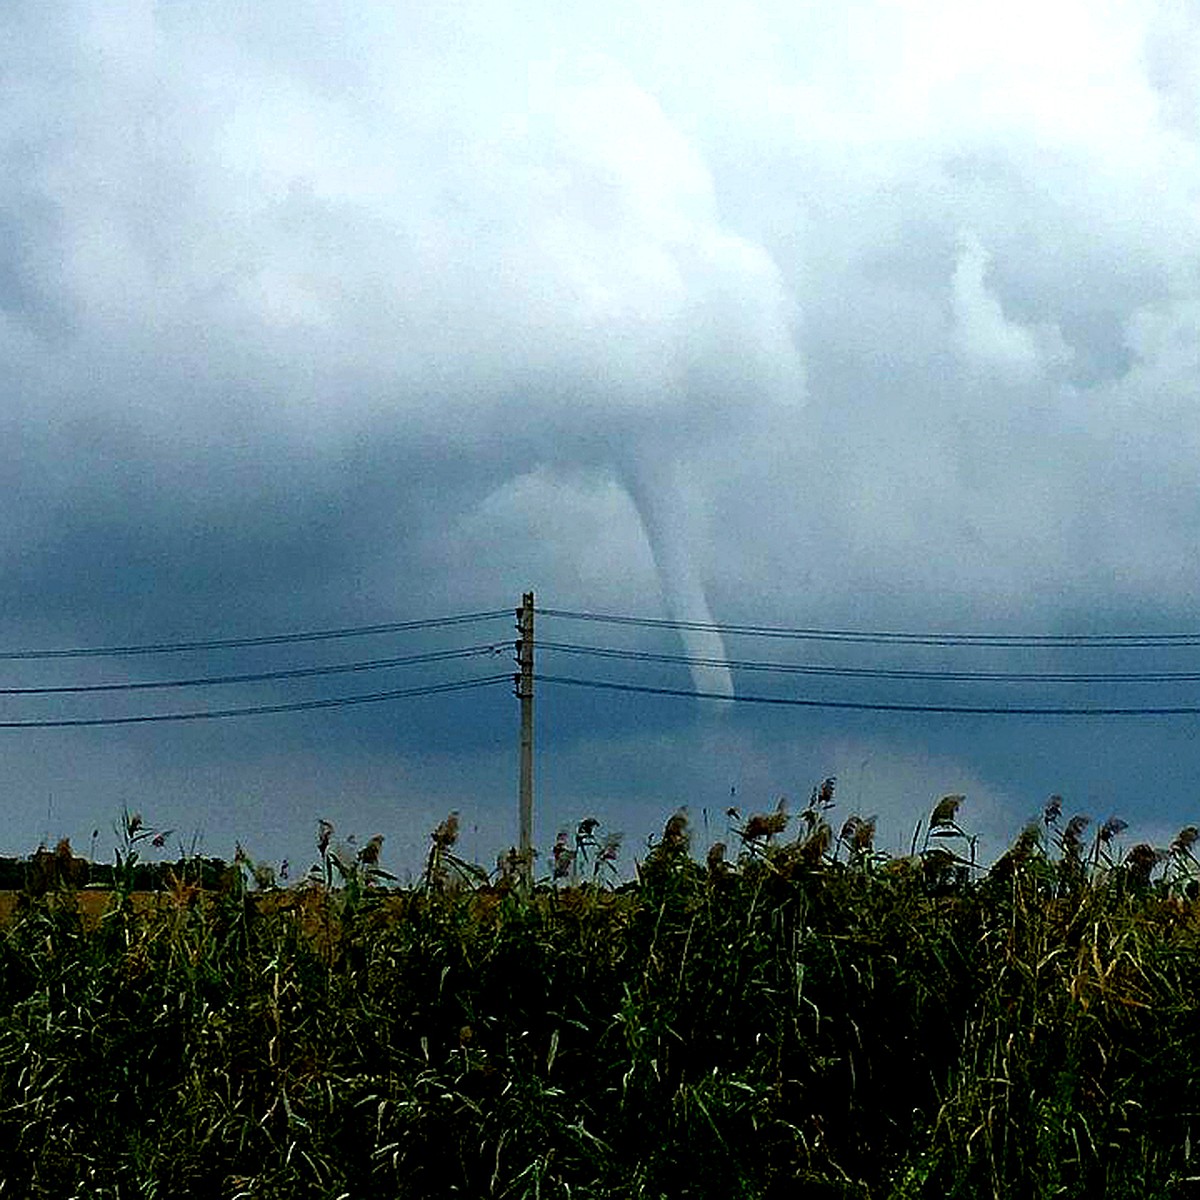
[880, 316]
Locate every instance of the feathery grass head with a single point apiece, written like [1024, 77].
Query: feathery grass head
[1019, 853]
[446, 834]
[324, 833]
[858, 833]
[1072, 836]
[1111, 828]
[610, 848]
[822, 794]
[1185, 839]
[864, 835]
[765, 825]
[1139, 863]
[562, 857]
[816, 845]
[369, 854]
[676, 835]
[945, 811]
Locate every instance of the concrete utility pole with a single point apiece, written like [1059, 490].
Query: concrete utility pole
[524, 681]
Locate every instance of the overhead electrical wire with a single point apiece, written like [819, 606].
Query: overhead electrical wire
[877, 637]
[375, 664]
[875, 672]
[890, 637]
[277, 639]
[871, 706]
[733, 630]
[261, 709]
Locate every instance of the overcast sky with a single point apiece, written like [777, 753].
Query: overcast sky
[857, 316]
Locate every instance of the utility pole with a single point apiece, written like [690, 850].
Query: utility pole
[524, 682]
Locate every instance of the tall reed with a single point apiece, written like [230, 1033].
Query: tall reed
[802, 1015]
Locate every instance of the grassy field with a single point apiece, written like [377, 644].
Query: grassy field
[798, 1016]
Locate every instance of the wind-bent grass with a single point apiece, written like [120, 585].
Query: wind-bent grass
[812, 1019]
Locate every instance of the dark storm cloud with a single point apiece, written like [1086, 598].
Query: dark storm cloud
[882, 317]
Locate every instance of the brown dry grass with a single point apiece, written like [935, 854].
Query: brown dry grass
[90, 903]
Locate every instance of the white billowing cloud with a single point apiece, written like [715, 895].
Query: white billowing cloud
[578, 528]
[596, 239]
[626, 285]
[562, 275]
[561, 230]
[541, 263]
[1172, 51]
[984, 335]
[665, 330]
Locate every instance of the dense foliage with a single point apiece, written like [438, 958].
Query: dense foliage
[813, 1019]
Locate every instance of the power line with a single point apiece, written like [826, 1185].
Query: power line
[375, 664]
[277, 639]
[491, 648]
[1134, 640]
[864, 706]
[892, 637]
[875, 672]
[260, 709]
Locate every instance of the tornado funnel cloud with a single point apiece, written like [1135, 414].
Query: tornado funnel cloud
[673, 523]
